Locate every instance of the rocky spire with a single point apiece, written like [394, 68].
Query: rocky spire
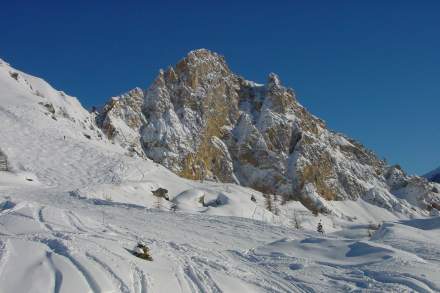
[273, 81]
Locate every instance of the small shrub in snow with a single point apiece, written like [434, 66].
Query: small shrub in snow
[271, 203]
[14, 75]
[158, 203]
[161, 192]
[143, 252]
[296, 220]
[202, 200]
[320, 228]
[268, 202]
[373, 226]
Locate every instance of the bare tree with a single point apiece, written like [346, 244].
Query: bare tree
[158, 202]
[296, 219]
[268, 202]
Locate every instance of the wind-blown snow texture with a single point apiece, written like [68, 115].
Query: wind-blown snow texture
[73, 203]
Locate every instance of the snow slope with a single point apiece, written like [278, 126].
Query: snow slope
[74, 205]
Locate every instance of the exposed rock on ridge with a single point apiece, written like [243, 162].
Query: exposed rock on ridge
[121, 119]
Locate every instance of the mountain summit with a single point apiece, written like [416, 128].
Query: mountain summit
[202, 121]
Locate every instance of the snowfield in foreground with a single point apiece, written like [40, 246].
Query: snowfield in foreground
[73, 206]
[54, 242]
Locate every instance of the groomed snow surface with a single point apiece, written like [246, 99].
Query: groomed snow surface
[74, 205]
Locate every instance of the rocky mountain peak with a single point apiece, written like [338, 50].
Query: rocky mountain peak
[200, 57]
[200, 65]
[202, 121]
[273, 81]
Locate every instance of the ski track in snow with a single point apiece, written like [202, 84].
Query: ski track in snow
[54, 238]
[192, 266]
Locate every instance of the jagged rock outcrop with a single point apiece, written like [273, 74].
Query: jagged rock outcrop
[121, 119]
[202, 121]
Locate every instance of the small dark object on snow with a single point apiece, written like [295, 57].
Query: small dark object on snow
[434, 205]
[29, 179]
[161, 192]
[142, 251]
[320, 228]
[3, 162]
[253, 198]
[14, 75]
[87, 136]
[49, 107]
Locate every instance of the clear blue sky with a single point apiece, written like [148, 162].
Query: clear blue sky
[371, 69]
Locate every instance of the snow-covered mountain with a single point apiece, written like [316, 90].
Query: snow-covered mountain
[75, 199]
[202, 121]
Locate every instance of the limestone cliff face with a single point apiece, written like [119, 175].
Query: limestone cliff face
[188, 109]
[121, 119]
[203, 121]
